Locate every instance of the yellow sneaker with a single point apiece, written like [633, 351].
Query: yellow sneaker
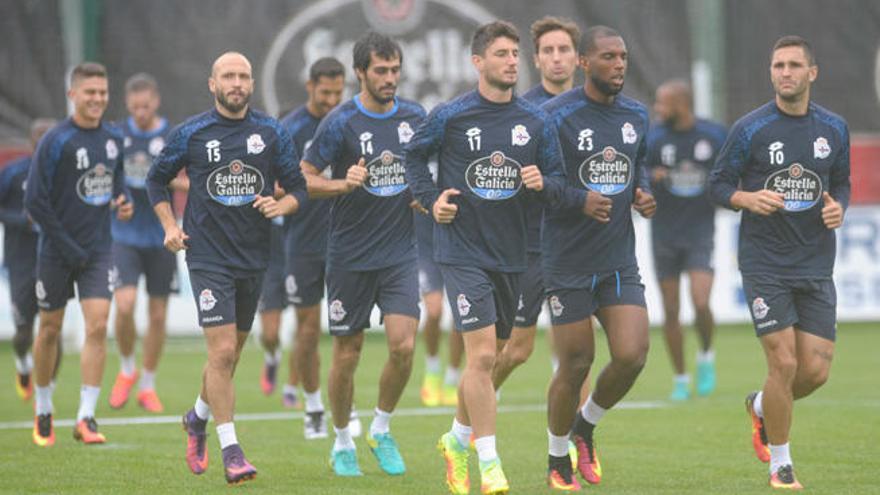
[456, 458]
[493, 481]
[431, 390]
[449, 395]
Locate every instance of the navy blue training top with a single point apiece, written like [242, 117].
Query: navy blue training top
[535, 211]
[19, 236]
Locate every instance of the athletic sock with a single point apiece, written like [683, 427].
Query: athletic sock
[226, 434]
[88, 399]
[272, 358]
[381, 422]
[44, 400]
[706, 356]
[313, 401]
[202, 409]
[592, 412]
[148, 380]
[558, 445]
[432, 365]
[779, 456]
[453, 376]
[682, 379]
[24, 365]
[461, 432]
[343, 439]
[486, 448]
[127, 365]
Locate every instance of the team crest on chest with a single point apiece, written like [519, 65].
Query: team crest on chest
[404, 132]
[667, 154]
[111, 149]
[255, 144]
[156, 145]
[629, 134]
[702, 150]
[519, 135]
[821, 148]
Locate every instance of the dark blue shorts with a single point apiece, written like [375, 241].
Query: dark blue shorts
[273, 295]
[430, 278]
[808, 304]
[157, 264]
[56, 279]
[24, 298]
[480, 298]
[352, 294]
[304, 284]
[223, 298]
[671, 260]
[574, 297]
[531, 297]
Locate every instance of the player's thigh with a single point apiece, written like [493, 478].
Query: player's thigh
[95, 310]
[815, 301]
[129, 262]
[531, 297]
[305, 281]
[771, 303]
[626, 328]
[398, 291]
[574, 341]
[97, 279]
[160, 269]
[247, 299]
[214, 294]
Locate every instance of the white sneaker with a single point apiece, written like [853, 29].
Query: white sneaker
[315, 425]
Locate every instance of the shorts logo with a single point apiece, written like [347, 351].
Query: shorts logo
[464, 306]
[255, 144]
[111, 149]
[113, 281]
[405, 133]
[207, 300]
[800, 187]
[290, 285]
[703, 150]
[608, 172]
[521, 305]
[337, 312]
[385, 175]
[137, 166]
[235, 184]
[95, 187]
[156, 145]
[760, 308]
[40, 290]
[821, 149]
[629, 134]
[519, 135]
[687, 179]
[423, 282]
[494, 177]
[556, 307]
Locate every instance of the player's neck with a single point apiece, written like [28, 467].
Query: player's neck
[795, 108]
[494, 93]
[557, 89]
[594, 94]
[373, 105]
[684, 122]
[313, 109]
[228, 114]
[155, 123]
[85, 122]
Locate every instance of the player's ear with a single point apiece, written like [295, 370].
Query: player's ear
[477, 60]
[212, 85]
[814, 73]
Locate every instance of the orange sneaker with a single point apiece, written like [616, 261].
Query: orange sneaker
[784, 479]
[759, 436]
[560, 475]
[44, 431]
[588, 459]
[86, 431]
[24, 386]
[148, 400]
[121, 389]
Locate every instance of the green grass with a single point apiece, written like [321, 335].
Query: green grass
[698, 447]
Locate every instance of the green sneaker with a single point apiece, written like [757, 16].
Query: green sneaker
[680, 392]
[456, 458]
[492, 479]
[385, 449]
[705, 378]
[345, 463]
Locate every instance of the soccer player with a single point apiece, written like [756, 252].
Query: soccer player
[76, 179]
[497, 153]
[273, 300]
[590, 265]
[556, 57]
[681, 152]
[233, 156]
[436, 390]
[371, 254]
[786, 165]
[138, 249]
[305, 245]
[20, 259]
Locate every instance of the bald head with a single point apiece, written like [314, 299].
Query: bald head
[674, 102]
[232, 84]
[227, 59]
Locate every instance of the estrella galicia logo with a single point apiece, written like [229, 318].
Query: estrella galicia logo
[494, 177]
[235, 184]
[607, 172]
[801, 188]
[687, 179]
[385, 175]
[95, 187]
[137, 166]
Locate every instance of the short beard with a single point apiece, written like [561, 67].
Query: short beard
[382, 100]
[500, 84]
[604, 87]
[232, 107]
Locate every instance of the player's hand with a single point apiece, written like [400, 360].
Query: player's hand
[175, 238]
[355, 176]
[270, 207]
[659, 173]
[598, 207]
[444, 211]
[415, 205]
[764, 202]
[124, 208]
[532, 178]
[832, 211]
[644, 203]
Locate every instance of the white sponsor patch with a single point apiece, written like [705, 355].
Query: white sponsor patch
[207, 301]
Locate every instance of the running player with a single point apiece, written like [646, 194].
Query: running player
[233, 155]
[786, 164]
[371, 255]
[273, 300]
[556, 58]
[589, 263]
[305, 245]
[490, 144]
[20, 259]
[681, 151]
[75, 180]
[138, 250]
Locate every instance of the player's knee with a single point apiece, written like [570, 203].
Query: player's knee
[632, 359]
[521, 352]
[815, 375]
[124, 304]
[783, 365]
[96, 331]
[223, 357]
[482, 361]
[401, 351]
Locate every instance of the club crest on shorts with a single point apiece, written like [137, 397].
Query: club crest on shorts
[760, 308]
[255, 144]
[337, 311]
[520, 306]
[821, 148]
[556, 307]
[207, 301]
[290, 285]
[464, 306]
[40, 290]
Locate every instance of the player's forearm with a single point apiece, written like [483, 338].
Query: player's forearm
[165, 214]
[320, 187]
